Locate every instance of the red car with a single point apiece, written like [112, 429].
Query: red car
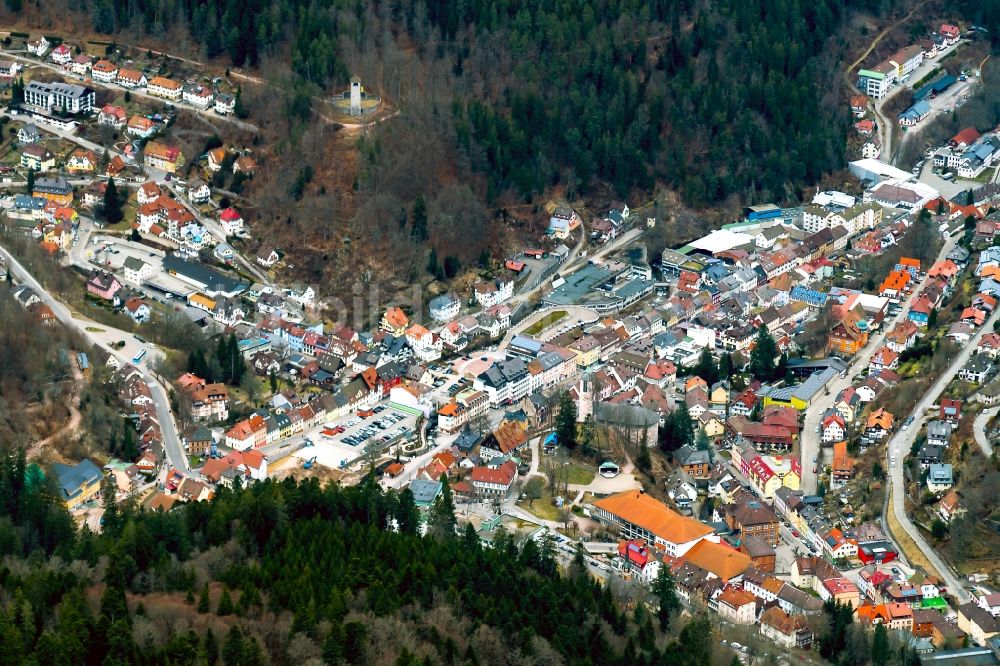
[795, 534]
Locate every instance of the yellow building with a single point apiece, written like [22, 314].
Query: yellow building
[587, 350]
[78, 483]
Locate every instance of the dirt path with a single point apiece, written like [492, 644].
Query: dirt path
[72, 425]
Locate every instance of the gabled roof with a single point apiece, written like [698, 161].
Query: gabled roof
[636, 507]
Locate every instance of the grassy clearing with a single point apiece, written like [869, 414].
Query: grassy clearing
[93, 329]
[581, 474]
[546, 321]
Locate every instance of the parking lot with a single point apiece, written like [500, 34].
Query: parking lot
[338, 442]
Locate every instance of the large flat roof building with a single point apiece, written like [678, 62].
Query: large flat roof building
[640, 516]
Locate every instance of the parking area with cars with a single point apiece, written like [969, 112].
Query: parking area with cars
[336, 443]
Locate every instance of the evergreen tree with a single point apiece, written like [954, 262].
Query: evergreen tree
[418, 219]
[273, 380]
[225, 606]
[111, 518]
[725, 366]
[112, 206]
[665, 591]
[566, 421]
[451, 266]
[210, 646]
[204, 604]
[701, 440]
[233, 649]
[434, 265]
[441, 522]
[762, 357]
[239, 107]
[31, 182]
[880, 646]
[407, 515]
[587, 434]
[642, 459]
[706, 368]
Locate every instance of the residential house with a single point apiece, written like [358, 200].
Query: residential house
[267, 256]
[38, 47]
[395, 321]
[163, 157]
[951, 410]
[977, 369]
[198, 95]
[225, 104]
[215, 158]
[939, 478]
[635, 559]
[141, 126]
[81, 161]
[788, 631]
[736, 605]
[231, 221]
[488, 294]
[104, 285]
[834, 427]
[160, 86]
[37, 158]
[104, 71]
[198, 191]
[137, 310]
[28, 134]
[879, 424]
[493, 481]
[977, 623]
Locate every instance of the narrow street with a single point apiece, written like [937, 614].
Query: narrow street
[979, 429]
[101, 335]
[810, 439]
[899, 447]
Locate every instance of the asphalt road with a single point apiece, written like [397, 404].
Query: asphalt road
[888, 124]
[899, 446]
[979, 428]
[810, 439]
[172, 446]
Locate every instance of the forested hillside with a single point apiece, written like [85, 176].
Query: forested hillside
[716, 97]
[293, 574]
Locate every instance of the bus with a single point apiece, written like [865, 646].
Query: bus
[137, 359]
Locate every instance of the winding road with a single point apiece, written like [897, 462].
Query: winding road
[172, 446]
[979, 429]
[899, 446]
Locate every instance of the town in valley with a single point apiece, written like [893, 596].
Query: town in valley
[791, 412]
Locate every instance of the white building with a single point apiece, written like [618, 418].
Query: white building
[59, 96]
[492, 293]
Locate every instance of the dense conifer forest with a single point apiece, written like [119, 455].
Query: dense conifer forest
[714, 97]
[301, 573]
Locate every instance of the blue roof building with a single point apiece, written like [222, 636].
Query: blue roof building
[78, 483]
[817, 299]
[935, 87]
[915, 113]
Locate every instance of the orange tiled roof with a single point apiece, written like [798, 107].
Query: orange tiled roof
[723, 561]
[653, 515]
